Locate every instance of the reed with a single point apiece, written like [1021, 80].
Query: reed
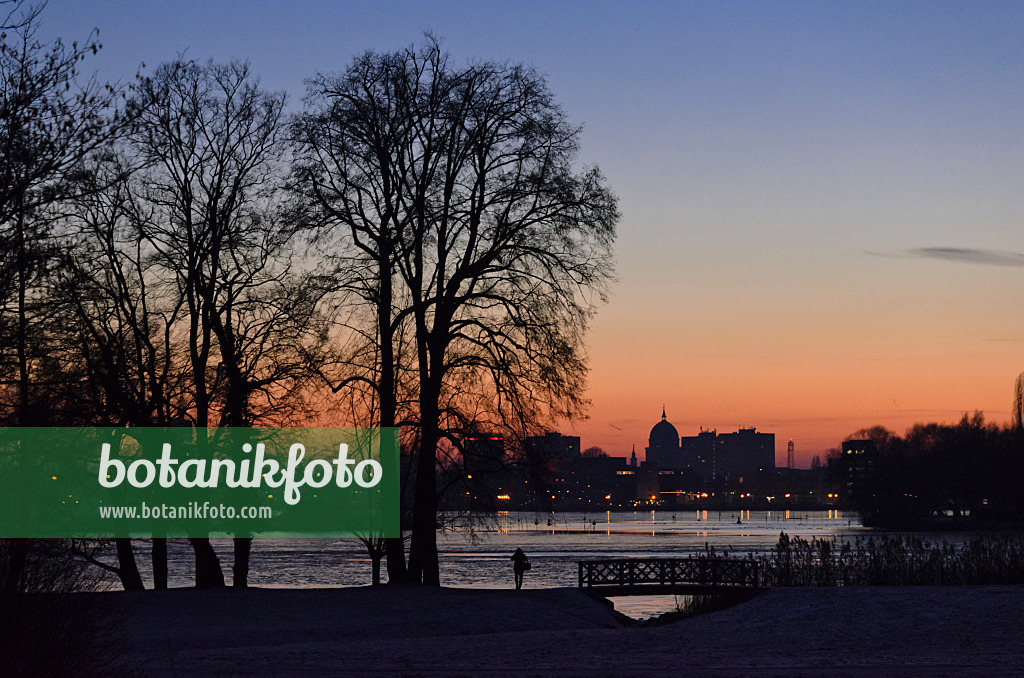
[893, 560]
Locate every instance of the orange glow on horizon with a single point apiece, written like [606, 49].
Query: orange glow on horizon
[815, 393]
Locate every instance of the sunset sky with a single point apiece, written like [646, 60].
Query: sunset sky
[822, 203]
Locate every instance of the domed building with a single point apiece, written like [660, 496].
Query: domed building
[737, 458]
[663, 444]
[668, 452]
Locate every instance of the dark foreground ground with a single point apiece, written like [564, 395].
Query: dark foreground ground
[919, 631]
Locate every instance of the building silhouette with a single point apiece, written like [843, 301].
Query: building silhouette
[548, 472]
[858, 461]
[484, 467]
[552, 445]
[743, 457]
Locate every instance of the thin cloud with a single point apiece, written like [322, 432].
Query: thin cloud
[965, 255]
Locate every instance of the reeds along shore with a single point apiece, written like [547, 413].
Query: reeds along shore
[892, 560]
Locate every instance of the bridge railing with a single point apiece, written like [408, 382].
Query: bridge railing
[668, 571]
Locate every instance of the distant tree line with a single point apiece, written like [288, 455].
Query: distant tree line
[415, 248]
[968, 474]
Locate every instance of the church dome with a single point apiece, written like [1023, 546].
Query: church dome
[664, 434]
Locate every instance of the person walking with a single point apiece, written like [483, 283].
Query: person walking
[520, 564]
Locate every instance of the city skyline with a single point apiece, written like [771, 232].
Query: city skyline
[821, 204]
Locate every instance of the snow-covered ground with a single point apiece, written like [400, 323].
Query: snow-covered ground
[869, 631]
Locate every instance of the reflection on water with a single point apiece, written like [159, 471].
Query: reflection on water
[554, 550]
[478, 556]
[645, 607]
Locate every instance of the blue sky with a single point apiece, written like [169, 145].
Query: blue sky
[783, 169]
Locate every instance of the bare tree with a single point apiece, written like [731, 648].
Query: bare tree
[51, 121]
[118, 315]
[117, 319]
[501, 246]
[210, 137]
[15, 15]
[353, 142]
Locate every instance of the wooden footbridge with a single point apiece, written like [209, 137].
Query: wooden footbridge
[658, 576]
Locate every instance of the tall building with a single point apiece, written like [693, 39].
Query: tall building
[484, 465]
[743, 457]
[546, 467]
[553, 446]
[699, 451]
[858, 464]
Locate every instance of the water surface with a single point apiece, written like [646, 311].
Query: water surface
[475, 551]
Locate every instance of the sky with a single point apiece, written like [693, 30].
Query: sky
[822, 208]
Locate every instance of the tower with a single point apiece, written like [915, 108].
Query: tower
[789, 454]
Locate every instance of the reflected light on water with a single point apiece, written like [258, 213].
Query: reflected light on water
[478, 557]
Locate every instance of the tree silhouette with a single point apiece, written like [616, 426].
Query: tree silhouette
[501, 247]
[211, 141]
[351, 142]
[969, 469]
[149, 271]
[1018, 402]
[51, 121]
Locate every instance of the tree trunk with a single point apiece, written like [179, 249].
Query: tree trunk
[208, 572]
[159, 562]
[423, 565]
[375, 565]
[21, 336]
[243, 545]
[395, 548]
[127, 569]
[19, 547]
[17, 564]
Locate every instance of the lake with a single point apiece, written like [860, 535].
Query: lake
[475, 553]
